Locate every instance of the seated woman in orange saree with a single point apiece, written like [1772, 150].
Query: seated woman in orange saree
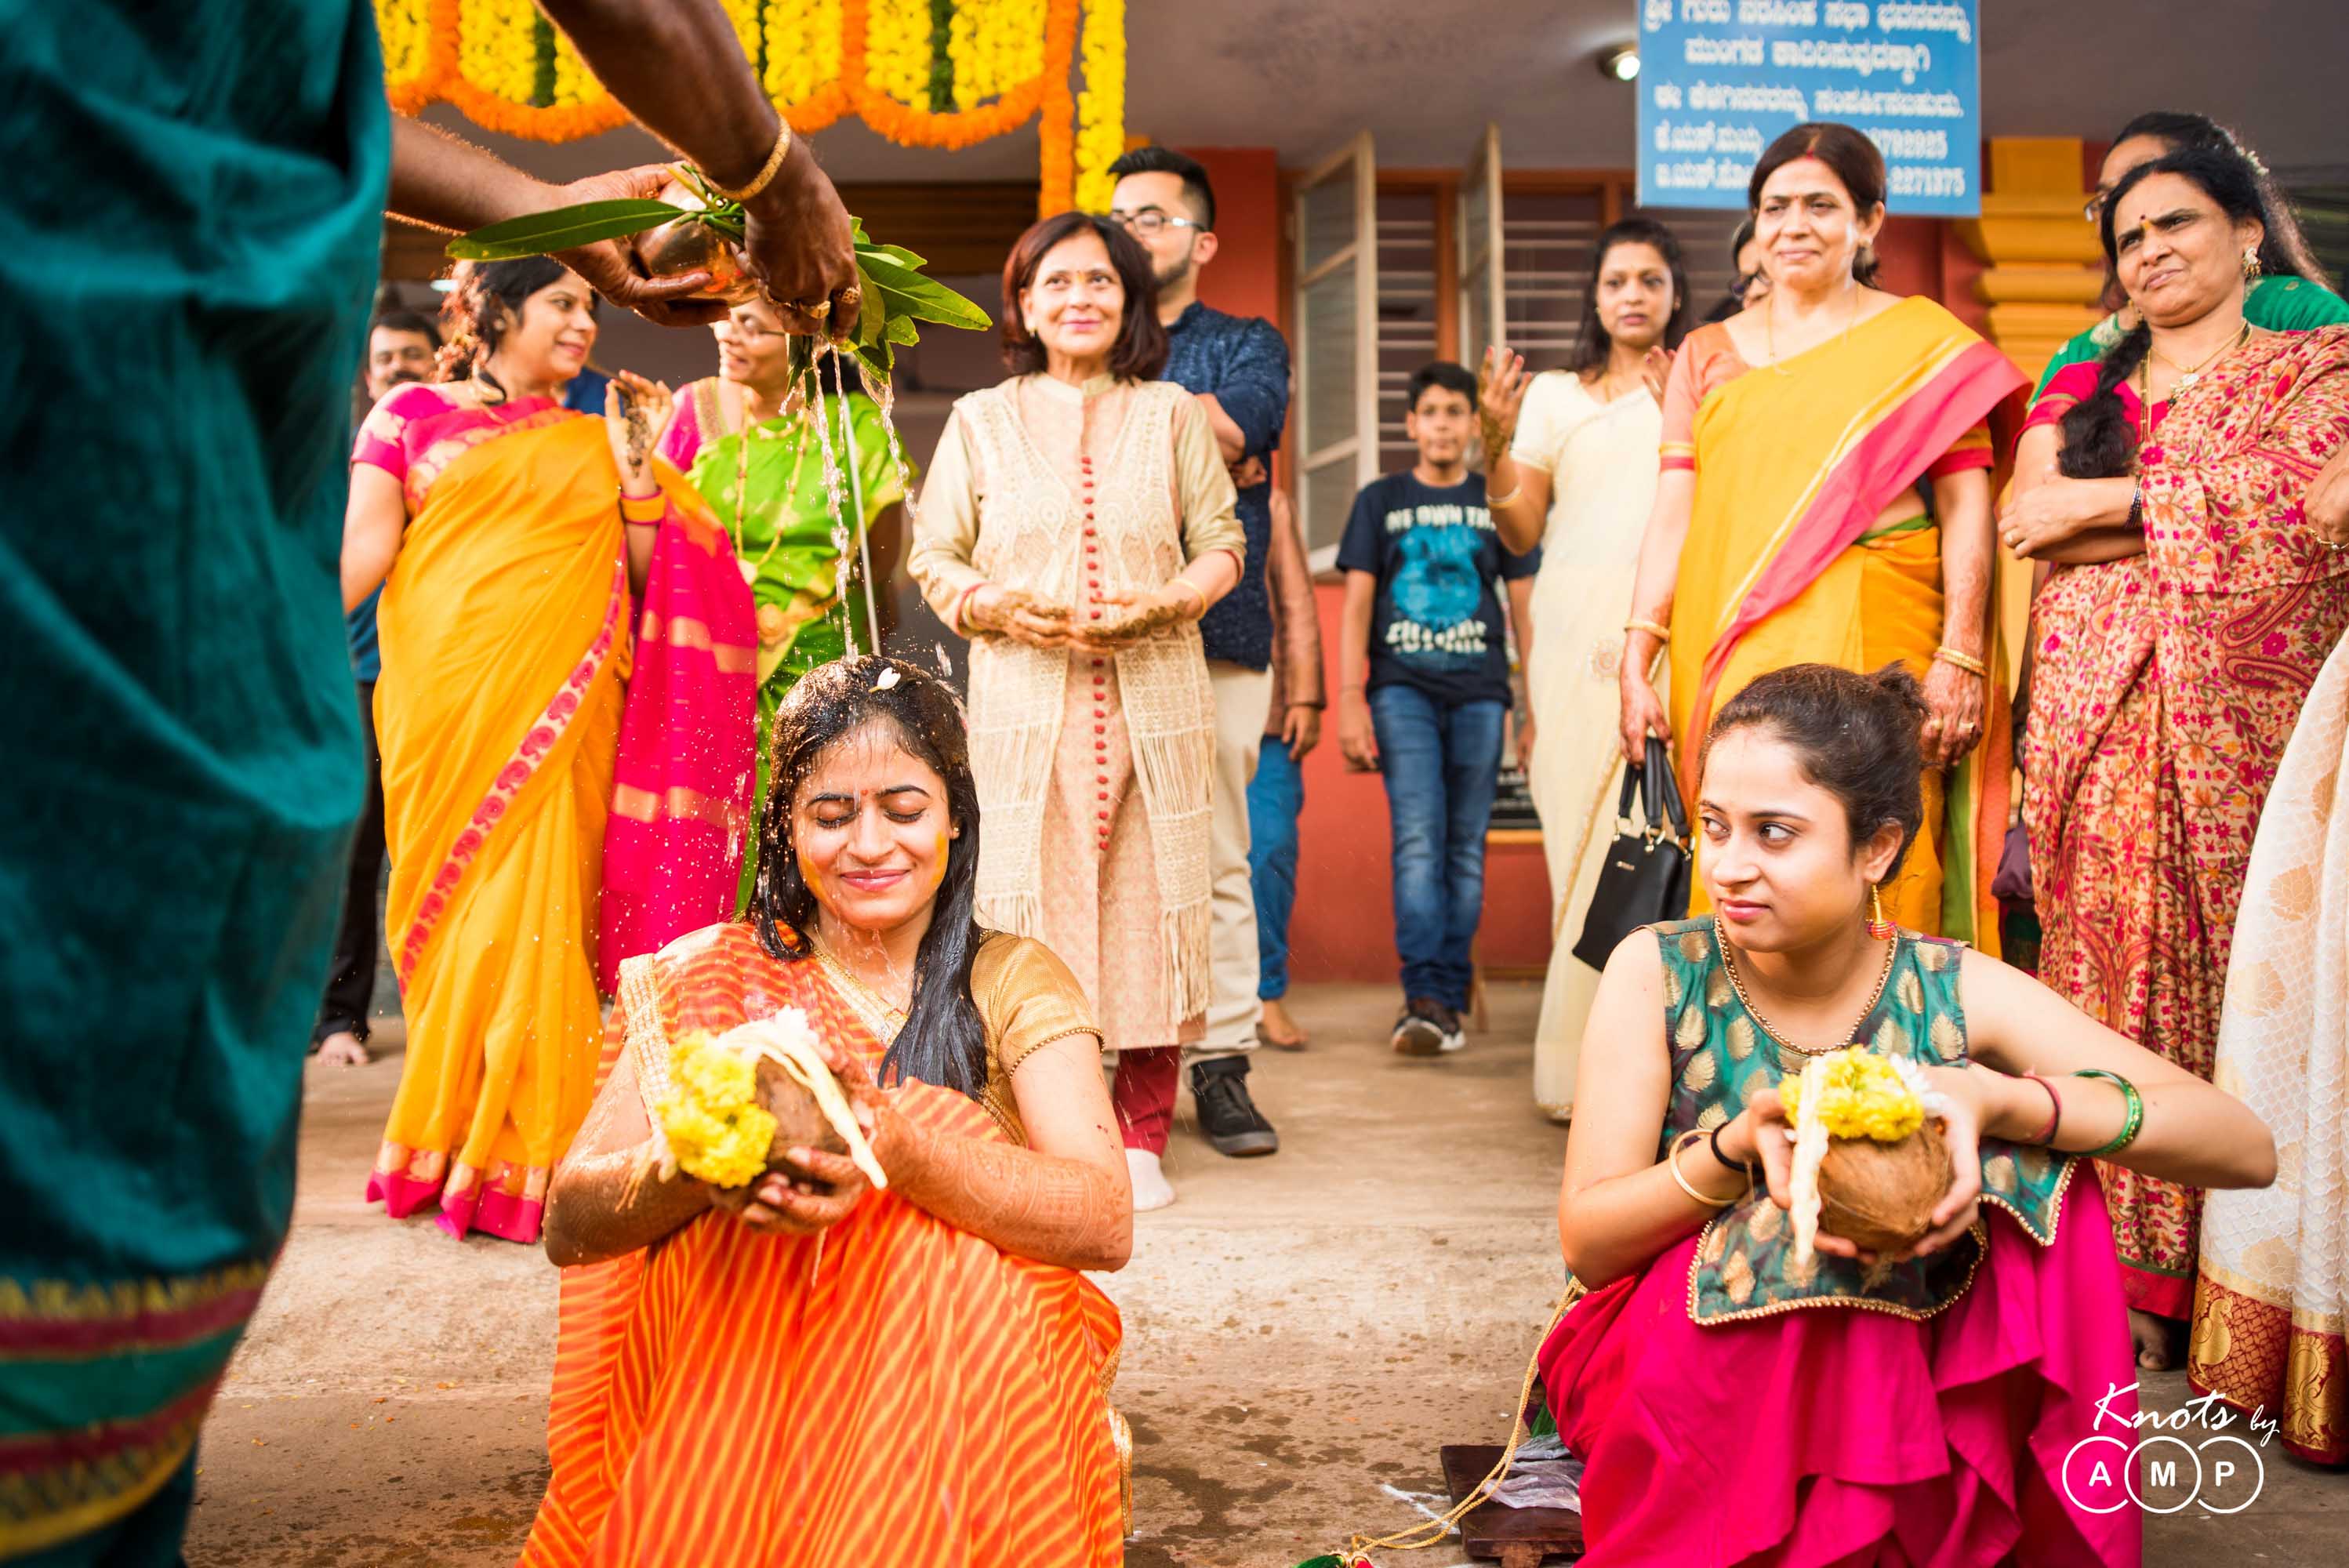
[804, 1372]
[499, 516]
[1826, 501]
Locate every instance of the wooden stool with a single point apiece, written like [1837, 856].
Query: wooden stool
[1519, 1537]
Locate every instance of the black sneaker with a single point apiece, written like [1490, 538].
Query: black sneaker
[1227, 1115]
[1423, 1029]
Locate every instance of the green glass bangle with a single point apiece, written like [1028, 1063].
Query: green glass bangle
[2131, 1125]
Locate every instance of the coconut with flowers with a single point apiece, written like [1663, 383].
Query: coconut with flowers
[739, 1101]
[1870, 1164]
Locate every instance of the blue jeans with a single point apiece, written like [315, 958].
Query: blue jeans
[1275, 795]
[1441, 763]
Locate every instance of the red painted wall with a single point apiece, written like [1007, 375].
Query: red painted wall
[1245, 277]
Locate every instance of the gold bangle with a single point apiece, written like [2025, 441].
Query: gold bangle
[774, 163]
[1493, 501]
[643, 509]
[1181, 583]
[1662, 634]
[1673, 1161]
[1966, 662]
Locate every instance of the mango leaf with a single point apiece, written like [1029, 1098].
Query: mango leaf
[539, 234]
[927, 298]
[874, 315]
[899, 254]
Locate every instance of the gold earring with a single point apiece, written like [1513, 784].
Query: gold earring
[1878, 926]
[2250, 267]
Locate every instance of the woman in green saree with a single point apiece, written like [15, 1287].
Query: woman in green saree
[764, 475]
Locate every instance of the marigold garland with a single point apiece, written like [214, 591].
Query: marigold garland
[1101, 109]
[1004, 61]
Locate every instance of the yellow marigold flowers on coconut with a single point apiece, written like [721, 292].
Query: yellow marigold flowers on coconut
[1864, 1096]
[712, 1118]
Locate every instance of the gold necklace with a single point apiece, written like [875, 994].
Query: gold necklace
[2189, 374]
[1737, 983]
[861, 995]
[1770, 326]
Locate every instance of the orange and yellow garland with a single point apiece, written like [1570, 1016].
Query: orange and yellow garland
[509, 70]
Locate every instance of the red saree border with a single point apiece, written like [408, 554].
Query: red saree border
[1944, 403]
[54, 1486]
[2254, 1356]
[518, 771]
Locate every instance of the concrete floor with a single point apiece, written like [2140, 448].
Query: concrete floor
[1302, 1331]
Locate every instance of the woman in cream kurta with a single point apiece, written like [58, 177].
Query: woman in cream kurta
[1077, 523]
[1601, 456]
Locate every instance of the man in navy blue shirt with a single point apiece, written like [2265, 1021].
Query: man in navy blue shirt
[1238, 367]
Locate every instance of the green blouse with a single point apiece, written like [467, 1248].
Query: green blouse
[1721, 1054]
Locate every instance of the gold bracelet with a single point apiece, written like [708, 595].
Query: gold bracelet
[643, 509]
[1966, 662]
[1493, 503]
[1662, 634]
[774, 163]
[1672, 1160]
[1181, 583]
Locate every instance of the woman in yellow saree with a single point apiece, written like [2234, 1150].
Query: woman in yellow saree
[494, 518]
[1789, 527]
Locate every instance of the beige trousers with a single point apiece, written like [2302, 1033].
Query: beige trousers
[1243, 697]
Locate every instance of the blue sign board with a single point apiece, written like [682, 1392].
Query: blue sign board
[1719, 79]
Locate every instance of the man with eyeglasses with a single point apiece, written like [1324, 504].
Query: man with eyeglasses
[1238, 368]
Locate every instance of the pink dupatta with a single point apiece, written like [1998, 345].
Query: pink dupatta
[682, 792]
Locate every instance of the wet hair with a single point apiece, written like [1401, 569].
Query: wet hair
[2178, 130]
[2099, 441]
[1855, 737]
[407, 321]
[1446, 374]
[1140, 352]
[488, 297]
[1591, 343]
[1854, 158]
[943, 1041]
[1166, 160]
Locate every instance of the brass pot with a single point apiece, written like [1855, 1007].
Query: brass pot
[1881, 1197]
[690, 246]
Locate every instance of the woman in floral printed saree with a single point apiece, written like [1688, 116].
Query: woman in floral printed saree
[504, 529]
[2190, 606]
[1734, 1405]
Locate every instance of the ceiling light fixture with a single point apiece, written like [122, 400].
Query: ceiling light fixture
[1620, 63]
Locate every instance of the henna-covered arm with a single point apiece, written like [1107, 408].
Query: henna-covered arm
[607, 1197]
[1064, 1200]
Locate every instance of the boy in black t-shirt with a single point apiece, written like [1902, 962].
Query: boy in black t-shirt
[1425, 678]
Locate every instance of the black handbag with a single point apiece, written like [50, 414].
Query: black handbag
[1646, 877]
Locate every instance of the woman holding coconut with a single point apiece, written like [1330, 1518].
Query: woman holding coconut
[800, 1369]
[1913, 1404]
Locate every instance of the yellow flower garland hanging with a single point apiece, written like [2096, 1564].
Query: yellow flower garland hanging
[1100, 111]
[997, 63]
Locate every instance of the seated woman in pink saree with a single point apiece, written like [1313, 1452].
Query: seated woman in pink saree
[2191, 605]
[1736, 1403]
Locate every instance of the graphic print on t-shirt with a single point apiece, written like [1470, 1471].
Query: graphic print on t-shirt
[1435, 622]
[1438, 589]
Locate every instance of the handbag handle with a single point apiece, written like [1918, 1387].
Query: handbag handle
[1656, 780]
